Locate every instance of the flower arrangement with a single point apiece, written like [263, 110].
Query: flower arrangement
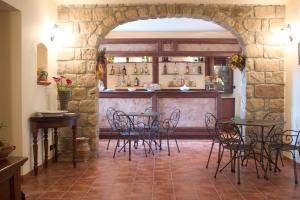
[237, 61]
[63, 83]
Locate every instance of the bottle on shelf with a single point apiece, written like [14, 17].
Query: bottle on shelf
[135, 69]
[199, 69]
[146, 69]
[128, 81]
[141, 70]
[187, 68]
[165, 69]
[124, 70]
[136, 81]
[127, 59]
[175, 68]
[112, 70]
[123, 82]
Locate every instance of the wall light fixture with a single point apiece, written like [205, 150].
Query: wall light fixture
[55, 31]
[287, 29]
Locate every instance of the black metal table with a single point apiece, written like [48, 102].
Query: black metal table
[263, 124]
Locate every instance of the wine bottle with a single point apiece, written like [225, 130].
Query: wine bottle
[146, 69]
[112, 70]
[165, 69]
[128, 81]
[187, 69]
[124, 70]
[135, 69]
[199, 69]
[136, 81]
[141, 70]
[175, 69]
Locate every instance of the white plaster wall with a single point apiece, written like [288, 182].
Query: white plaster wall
[37, 20]
[292, 93]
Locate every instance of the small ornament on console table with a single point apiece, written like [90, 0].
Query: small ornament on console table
[5, 149]
[237, 61]
[64, 90]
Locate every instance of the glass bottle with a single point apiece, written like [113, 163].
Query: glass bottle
[128, 81]
[136, 81]
[135, 69]
[187, 68]
[165, 69]
[124, 70]
[199, 69]
[141, 70]
[112, 70]
[175, 69]
[146, 69]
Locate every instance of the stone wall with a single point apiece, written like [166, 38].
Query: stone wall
[254, 27]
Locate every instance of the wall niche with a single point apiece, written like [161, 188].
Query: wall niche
[42, 65]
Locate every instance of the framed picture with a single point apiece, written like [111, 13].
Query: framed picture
[298, 53]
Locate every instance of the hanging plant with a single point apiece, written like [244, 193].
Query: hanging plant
[237, 61]
[101, 63]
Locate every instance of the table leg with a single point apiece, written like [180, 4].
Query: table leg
[55, 144]
[74, 145]
[46, 146]
[35, 150]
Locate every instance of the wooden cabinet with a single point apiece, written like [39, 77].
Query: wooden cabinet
[228, 108]
[10, 178]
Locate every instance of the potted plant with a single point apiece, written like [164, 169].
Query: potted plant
[64, 90]
[237, 61]
[101, 63]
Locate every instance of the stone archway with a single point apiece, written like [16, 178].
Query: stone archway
[252, 26]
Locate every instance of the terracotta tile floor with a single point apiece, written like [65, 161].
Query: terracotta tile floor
[181, 176]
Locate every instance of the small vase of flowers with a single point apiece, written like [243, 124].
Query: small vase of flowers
[64, 90]
[237, 61]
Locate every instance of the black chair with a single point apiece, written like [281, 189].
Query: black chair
[128, 131]
[284, 142]
[210, 124]
[109, 116]
[167, 128]
[239, 147]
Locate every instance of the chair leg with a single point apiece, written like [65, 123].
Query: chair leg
[168, 144]
[295, 168]
[176, 142]
[276, 160]
[239, 168]
[160, 141]
[255, 162]
[144, 145]
[108, 144]
[116, 148]
[124, 145]
[211, 148]
[281, 159]
[129, 140]
[219, 162]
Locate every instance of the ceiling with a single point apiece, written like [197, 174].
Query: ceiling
[169, 25]
[261, 2]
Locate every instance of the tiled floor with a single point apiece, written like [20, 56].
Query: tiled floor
[181, 176]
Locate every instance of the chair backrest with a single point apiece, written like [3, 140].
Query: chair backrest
[274, 117]
[229, 134]
[147, 110]
[174, 118]
[289, 137]
[110, 117]
[122, 122]
[210, 123]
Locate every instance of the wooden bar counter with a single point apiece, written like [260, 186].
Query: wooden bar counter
[193, 105]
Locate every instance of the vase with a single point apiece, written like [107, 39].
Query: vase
[64, 97]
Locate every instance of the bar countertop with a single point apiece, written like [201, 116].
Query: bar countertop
[160, 93]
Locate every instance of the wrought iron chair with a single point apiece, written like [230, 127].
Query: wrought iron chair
[167, 128]
[210, 124]
[240, 147]
[128, 131]
[109, 116]
[287, 141]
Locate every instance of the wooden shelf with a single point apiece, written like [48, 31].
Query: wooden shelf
[181, 62]
[194, 74]
[130, 63]
[141, 74]
[170, 74]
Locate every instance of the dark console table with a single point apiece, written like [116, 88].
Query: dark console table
[10, 178]
[54, 122]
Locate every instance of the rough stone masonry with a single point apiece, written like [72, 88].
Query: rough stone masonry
[252, 25]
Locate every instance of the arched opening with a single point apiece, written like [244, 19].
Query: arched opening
[171, 52]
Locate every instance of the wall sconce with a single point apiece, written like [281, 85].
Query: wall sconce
[55, 31]
[288, 30]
